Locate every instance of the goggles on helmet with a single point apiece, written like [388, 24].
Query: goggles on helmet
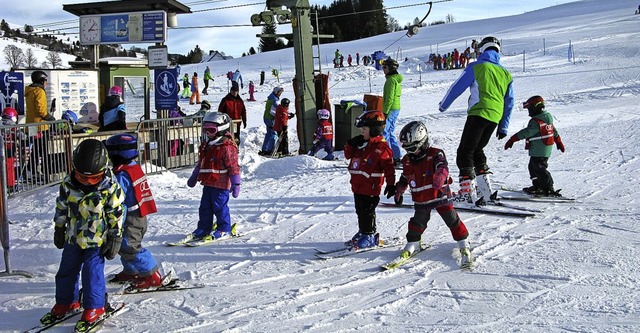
[89, 180]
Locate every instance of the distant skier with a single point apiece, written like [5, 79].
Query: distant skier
[261, 77]
[186, 92]
[206, 78]
[195, 93]
[237, 77]
[540, 134]
[252, 90]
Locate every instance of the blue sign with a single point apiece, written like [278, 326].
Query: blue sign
[135, 27]
[166, 89]
[12, 91]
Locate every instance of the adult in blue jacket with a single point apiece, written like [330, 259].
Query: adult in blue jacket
[490, 106]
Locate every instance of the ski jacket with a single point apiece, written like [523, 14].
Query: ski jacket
[424, 177]
[370, 166]
[270, 107]
[185, 82]
[282, 118]
[491, 90]
[134, 183]
[207, 75]
[234, 107]
[36, 99]
[539, 129]
[12, 136]
[324, 130]
[90, 214]
[392, 92]
[112, 115]
[218, 162]
[237, 77]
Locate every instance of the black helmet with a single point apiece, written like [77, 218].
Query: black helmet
[205, 105]
[90, 157]
[414, 136]
[392, 64]
[38, 77]
[489, 43]
[285, 102]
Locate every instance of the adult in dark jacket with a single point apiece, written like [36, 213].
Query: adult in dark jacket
[233, 105]
[113, 114]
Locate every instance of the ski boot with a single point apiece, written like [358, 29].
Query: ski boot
[89, 316]
[466, 260]
[368, 240]
[123, 277]
[59, 311]
[410, 249]
[354, 239]
[153, 280]
[484, 190]
[468, 189]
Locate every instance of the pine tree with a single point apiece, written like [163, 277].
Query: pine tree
[269, 43]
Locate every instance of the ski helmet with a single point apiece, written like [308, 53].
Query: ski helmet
[122, 148]
[90, 157]
[374, 120]
[489, 43]
[285, 102]
[70, 116]
[115, 91]
[205, 105]
[414, 137]
[215, 125]
[10, 113]
[535, 105]
[38, 77]
[392, 64]
[323, 114]
[277, 89]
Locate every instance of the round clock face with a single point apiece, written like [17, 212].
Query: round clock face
[90, 30]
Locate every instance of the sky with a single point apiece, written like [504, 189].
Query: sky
[226, 39]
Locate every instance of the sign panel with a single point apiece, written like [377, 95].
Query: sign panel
[166, 89]
[158, 56]
[123, 28]
[12, 91]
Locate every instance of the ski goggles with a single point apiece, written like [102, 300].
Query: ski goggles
[89, 180]
[210, 129]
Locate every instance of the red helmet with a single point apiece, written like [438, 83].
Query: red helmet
[10, 113]
[375, 120]
[534, 104]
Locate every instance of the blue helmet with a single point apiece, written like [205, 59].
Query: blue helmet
[122, 148]
[70, 116]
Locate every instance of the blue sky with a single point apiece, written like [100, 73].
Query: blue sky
[235, 41]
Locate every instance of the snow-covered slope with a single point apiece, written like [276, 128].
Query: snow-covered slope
[570, 268]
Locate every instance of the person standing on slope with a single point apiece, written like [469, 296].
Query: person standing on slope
[391, 105]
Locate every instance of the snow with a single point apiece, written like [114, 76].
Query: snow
[569, 268]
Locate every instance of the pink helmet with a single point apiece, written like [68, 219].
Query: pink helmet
[115, 91]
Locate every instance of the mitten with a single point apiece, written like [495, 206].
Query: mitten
[356, 141]
[559, 144]
[193, 180]
[292, 115]
[400, 188]
[511, 141]
[390, 190]
[111, 247]
[235, 185]
[58, 237]
[501, 135]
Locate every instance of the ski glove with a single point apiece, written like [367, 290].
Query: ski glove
[292, 115]
[58, 237]
[356, 141]
[400, 188]
[193, 180]
[511, 141]
[501, 135]
[235, 185]
[390, 190]
[111, 247]
[559, 144]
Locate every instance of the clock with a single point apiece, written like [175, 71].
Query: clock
[89, 30]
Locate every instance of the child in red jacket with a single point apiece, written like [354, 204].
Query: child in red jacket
[425, 170]
[371, 164]
[281, 126]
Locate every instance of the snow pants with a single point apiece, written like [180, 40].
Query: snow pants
[422, 215]
[214, 202]
[271, 136]
[366, 212]
[135, 259]
[388, 135]
[540, 176]
[475, 136]
[91, 263]
[323, 143]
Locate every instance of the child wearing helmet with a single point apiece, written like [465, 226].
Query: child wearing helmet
[323, 136]
[270, 138]
[426, 171]
[218, 172]
[371, 164]
[15, 141]
[281, 126]
[540, 134]
[139, 266]
[88, 228]
[112, 116]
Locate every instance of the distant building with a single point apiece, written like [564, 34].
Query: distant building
[215, 55]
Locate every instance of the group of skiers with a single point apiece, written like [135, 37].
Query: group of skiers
[451, 60]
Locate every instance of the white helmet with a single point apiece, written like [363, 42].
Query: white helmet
[215, 125]
[323, 114]
[414, 136]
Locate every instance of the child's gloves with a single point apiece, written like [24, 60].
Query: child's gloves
[58, 237]
[511, 141]
[292, 115]
[356, 141]
[559, 144]
[235, 185]
[390, 190]
[193, 180]
[400, 188]
[111, 247]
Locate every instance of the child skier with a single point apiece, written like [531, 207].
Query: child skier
[371, 163]
[186, 91]
[219, 173]
[426, 171]
[88, 227]
[15, 141]
[139, 266]
[540, 135]
[323, 137]
[281, 127]
[252, 90]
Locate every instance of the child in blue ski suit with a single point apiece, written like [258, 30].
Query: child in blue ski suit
[139, 266]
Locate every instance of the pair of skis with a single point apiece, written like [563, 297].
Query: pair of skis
[169, 283]
[111, 311]
[190, 241]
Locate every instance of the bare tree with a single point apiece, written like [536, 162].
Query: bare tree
[54, 59]
[30, 59]
[14, 56]
[393, 24]
[450, 18]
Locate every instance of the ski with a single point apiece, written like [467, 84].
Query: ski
[172, 285]
[399, 261]
[351, 250]
[347, 245]
[43, 327]
[92, 327]
[193, 242]
[466, 207]
[495, 200]
[519, 195]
